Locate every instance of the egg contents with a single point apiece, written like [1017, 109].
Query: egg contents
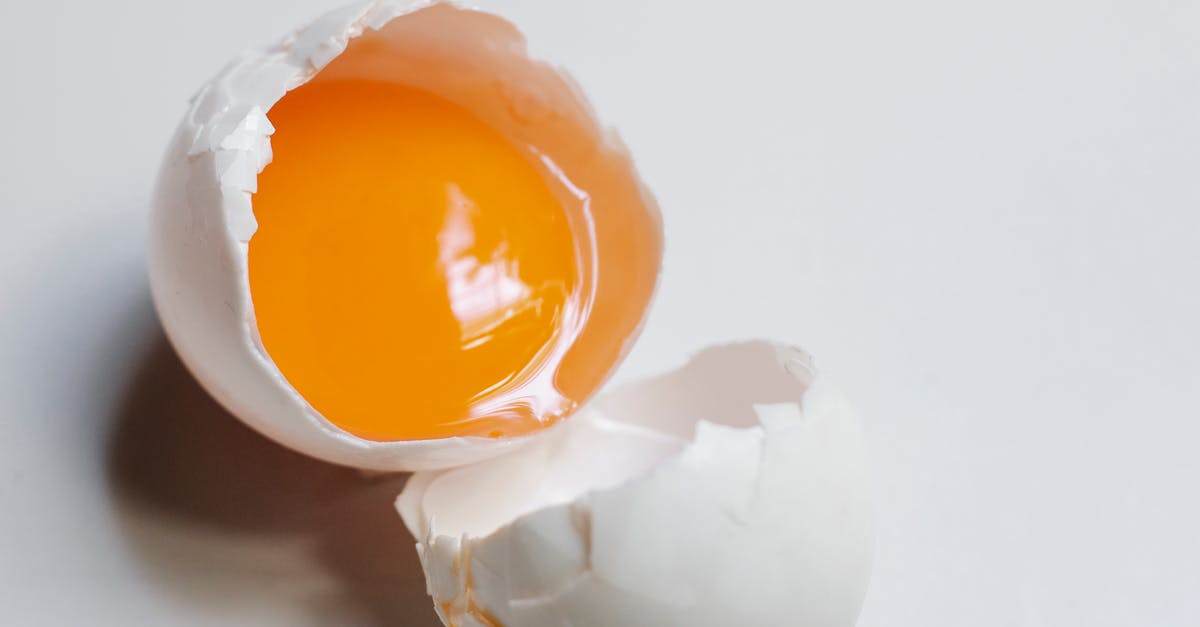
[396, 241]
[413, 275]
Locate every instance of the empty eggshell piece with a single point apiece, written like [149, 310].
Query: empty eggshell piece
[731, 492]
[204, 218]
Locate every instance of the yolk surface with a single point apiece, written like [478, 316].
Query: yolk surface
[408, 262]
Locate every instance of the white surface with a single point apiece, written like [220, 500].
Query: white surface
[982, 217]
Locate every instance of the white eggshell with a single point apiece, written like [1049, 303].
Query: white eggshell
[203, 217]
[731, 492]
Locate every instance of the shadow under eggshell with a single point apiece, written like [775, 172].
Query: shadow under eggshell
[245, 531]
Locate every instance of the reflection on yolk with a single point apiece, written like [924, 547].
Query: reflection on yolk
[408, 262]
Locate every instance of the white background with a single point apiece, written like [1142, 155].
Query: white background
[982, 217]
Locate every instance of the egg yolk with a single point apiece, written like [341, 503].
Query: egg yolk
[409, 263]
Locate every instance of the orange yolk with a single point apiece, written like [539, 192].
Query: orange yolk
[409, 263]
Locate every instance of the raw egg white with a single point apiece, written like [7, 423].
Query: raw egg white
[394, 241]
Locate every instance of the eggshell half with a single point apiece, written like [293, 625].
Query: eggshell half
[733, 491]
[203, 216]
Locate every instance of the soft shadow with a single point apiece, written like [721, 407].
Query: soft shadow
[217, 513]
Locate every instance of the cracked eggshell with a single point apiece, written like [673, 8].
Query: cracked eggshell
[203, 217]
[731, 492]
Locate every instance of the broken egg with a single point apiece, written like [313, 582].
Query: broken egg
[733, 491]
[395, 241]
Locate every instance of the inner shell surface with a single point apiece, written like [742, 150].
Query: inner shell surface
[409, 265]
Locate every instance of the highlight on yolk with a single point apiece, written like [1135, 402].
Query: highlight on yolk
[410, 266]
